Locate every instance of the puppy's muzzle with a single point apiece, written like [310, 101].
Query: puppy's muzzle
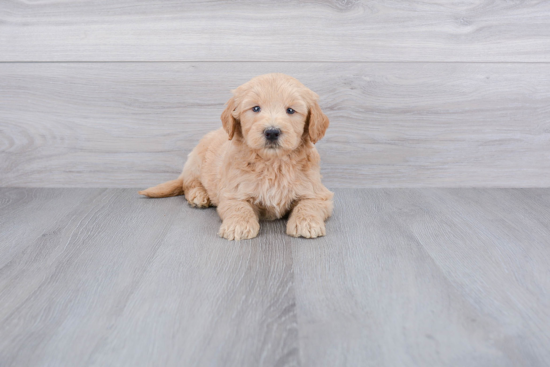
[272, 134]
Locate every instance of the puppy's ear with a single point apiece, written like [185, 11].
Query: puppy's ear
[228, 120]
[317, 121]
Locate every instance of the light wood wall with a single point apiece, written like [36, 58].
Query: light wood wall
[115, 94]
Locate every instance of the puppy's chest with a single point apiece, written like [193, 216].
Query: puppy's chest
[275, 189]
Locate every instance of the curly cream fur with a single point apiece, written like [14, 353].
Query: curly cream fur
[235, 169]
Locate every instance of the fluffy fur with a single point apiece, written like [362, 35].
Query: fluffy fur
[250, 178]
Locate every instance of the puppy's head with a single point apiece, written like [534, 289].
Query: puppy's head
[273, 114]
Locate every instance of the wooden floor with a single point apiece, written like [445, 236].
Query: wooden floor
[405, 277]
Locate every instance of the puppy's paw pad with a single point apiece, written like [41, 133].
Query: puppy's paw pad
[239, 229]
[198, 198]
[306, 227]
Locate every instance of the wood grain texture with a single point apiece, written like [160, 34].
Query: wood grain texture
[127, 281]
[392, 125]
[405, 277]
[321, 30]
[427, 277]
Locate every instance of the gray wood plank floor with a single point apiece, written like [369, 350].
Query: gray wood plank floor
[405, 277]
[392, 125]
[251, 30]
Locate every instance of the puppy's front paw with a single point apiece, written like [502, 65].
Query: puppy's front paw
[308, 227]
[239, 229]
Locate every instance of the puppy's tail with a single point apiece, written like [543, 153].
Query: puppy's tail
[164, 190]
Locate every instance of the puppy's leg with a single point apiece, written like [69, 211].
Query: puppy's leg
[194, 191]
[307, 219]
[197, 196]
[188, 184]
[240, 220]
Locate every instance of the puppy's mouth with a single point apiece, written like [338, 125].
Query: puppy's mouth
[272, 145]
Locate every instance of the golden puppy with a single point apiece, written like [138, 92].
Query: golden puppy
[262, 164]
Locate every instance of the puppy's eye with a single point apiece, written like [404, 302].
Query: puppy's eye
[290, 111]
[256, 108]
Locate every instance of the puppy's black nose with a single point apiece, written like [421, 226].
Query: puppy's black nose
[272, 134]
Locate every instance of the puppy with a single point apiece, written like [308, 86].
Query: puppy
[262, 164]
